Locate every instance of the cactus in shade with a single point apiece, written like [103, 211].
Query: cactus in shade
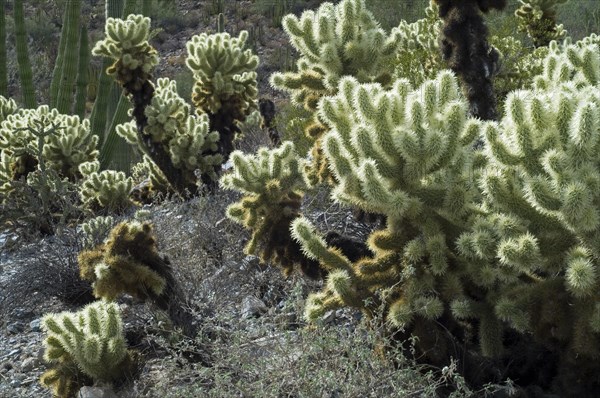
[538, 19]
[129, 262]
[106, 189]
[89, 342]
[225, 85]
[333, 41]
[273, 187]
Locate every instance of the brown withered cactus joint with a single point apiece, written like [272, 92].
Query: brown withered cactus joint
[465, 48]
[141, 91]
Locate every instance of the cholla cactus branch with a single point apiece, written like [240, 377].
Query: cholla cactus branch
[127, 43]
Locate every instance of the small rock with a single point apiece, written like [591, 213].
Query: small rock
[249, 263]
[21, 313]
[36, 325]
[96, 392]
[328, 317]
[28, 365]
[15, 328]
[14, 352]
[252, 306]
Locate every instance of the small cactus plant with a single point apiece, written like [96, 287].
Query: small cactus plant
[89, 342]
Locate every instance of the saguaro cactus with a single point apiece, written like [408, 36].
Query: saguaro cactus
[3, 59]
[25, 72]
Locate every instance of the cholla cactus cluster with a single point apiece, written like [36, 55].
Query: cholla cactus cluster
[538, 19]
[418, 56]
[184, 136]
[90, 341]
[106, 189]
[63, 142]
[406, 154]
[128, 262]
[127, 43]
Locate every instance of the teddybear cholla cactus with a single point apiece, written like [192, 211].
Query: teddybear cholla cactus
[63, 142]
[127, 43]
[538, 19]
[184, 136]
[507, 237]
[128, 262]
[333, 41]
[90, 341]
[273, 187]
[543, 173]
[107, 189]
[406, 154]
[225, 85]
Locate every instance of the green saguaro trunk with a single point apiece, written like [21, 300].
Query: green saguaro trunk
[3, 69]
[25, 73]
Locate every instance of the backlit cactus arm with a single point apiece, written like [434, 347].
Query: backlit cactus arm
[8, 106]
